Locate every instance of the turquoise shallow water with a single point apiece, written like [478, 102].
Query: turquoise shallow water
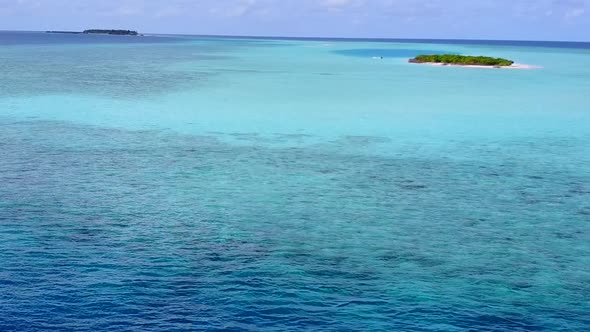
[239, 184]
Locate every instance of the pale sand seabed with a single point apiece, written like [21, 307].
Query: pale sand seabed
[514, 66]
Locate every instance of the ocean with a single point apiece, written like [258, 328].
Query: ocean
[185, 183]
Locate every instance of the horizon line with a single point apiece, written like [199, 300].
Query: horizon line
[328, 37]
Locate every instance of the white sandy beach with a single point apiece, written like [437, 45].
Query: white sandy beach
[513, 66]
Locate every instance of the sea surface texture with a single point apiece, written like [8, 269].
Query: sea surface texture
[230, 184]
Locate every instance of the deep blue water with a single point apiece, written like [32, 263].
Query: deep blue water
[19, 38]
[223, 184]
[131, 231]
[524, 43]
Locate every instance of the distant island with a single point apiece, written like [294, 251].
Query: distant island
[112, 32]
[101, 32]
[462, 60]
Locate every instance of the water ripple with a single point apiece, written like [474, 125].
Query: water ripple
[156, 231]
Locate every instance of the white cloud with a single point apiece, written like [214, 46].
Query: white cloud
[340, 5]
[575, 12]
[239, 8]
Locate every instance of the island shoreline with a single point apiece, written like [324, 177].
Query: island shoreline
[513, 66]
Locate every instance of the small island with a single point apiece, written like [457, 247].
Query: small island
[100, 32]
[112, 32]
[462, 60]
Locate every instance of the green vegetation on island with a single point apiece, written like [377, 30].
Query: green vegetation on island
[462, 60]
[112, 32]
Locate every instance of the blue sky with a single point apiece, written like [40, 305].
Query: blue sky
[473, 19]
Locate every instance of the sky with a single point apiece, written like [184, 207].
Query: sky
[449, 19]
